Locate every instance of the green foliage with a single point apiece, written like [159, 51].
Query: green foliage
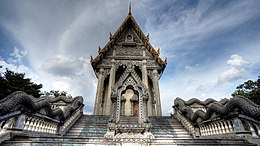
[11, 82]
[56, 93]
[249, 89]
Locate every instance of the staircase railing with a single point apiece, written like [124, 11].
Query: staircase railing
[242, 118]
[36, 122]
[21, 122]
[22, 114]
[238, 124]
[70, 121]
[186, 123]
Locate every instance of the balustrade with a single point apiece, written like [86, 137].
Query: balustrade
[30, 123]
[230, 126]
[185, 122]
[70, 121]
[39, 125]
[237, 124]
[216, 128]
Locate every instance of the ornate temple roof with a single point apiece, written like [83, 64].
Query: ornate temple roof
[113, 38]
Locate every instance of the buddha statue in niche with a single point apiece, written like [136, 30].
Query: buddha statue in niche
[131, 103]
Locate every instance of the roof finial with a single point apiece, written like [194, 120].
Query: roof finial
[129, 11]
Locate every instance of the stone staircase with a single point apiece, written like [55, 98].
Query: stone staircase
[168, 127]
[90, 130]
[89, 126]
[131, 120]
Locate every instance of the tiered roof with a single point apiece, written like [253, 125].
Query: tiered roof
[113, 39]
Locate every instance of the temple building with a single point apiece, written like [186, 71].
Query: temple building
[129, 68]
[127, 108]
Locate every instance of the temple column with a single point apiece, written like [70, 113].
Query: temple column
[155, 79]
[113, 108]
[110, 85]
[145, 81]
[97, 107]
[145, 99]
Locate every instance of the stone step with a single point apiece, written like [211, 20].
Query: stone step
[168, 127]
[86, 132]
[57, 141]
[172, 136]
[172, 127]
[89, 126]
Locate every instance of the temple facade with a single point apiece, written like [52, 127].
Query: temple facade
[128, 69]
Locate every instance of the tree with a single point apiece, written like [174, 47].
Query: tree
[249, 89]
[11, 82]
[56, 93]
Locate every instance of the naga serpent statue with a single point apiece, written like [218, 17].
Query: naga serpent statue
[19, 100]
[223, 107]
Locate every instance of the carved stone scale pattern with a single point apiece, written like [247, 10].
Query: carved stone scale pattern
[129, 51]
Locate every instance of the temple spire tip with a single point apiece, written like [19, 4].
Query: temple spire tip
[129, 10]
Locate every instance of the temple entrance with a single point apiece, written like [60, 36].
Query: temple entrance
[130, 103]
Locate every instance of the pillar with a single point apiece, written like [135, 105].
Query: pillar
[145, 114]
[110, 86]
[155, 79]
[145, 81]
[97, 107]
[113, 108]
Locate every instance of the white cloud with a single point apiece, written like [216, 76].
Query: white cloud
[197, 24]
[237, 68]
[60, 85]
[17, 68]
[59, 40]
[17, 55]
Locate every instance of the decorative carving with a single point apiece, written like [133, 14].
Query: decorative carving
[106, 73]
[129, 51]
[19, 100]
[151, 63]
[150, 73]
[129, 38]
[222, 108]
[130, 77]
[134, 138]
[106, 62]
[128, 63]
[124, 37]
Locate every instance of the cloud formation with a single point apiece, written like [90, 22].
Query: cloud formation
[237, 68]
[206, 43]
[18, 55]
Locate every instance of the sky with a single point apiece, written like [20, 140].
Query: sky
[211, 46]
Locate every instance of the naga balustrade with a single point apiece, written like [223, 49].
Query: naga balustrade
[187, 124]
[236, 116]
[22, 114]
[28, 122]
[70, 121]
[21, 121]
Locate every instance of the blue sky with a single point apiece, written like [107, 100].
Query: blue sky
[211, 46]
